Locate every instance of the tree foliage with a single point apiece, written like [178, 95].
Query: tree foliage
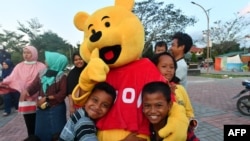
[160, 21]
[46, 41]
[12, 41]
[226, 36]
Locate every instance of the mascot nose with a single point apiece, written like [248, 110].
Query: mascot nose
[95, 36]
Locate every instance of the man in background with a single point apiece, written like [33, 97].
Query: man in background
[181, 44]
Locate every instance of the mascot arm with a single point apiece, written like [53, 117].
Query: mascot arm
[96, 71]
[177, 125]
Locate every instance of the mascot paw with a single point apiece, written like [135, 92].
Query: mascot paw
[95, 71]
[177, 124]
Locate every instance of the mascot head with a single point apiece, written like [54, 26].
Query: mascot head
[115, 31]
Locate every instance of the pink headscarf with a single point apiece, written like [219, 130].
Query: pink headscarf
[24, 72]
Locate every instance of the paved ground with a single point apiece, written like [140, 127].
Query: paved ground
[211, 99]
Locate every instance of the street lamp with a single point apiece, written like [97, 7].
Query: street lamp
[208, 32]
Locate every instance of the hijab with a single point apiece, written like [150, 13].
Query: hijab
[6, 72]
[56, 63]
[25, 72]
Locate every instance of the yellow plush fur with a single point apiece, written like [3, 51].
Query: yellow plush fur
[113, 37]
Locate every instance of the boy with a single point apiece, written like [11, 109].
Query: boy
[160, 47]
[81, 125]
[181, 44]
[157, 106]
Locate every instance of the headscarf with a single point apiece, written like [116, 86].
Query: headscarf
[25, 72]
[6, 72]
[74, 75]
[56, 63]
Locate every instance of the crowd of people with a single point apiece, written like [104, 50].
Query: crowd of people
[47, 85]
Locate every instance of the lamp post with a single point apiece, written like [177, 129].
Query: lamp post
[208, 32]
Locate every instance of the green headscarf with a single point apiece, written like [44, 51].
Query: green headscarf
[56, 64]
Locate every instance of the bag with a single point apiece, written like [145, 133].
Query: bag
[27, 107]
[5, 89]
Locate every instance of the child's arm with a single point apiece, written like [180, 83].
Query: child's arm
[187, 103]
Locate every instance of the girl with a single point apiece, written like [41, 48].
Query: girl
[72, 78]
[167, 65]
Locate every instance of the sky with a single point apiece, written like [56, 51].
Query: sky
[57, 15]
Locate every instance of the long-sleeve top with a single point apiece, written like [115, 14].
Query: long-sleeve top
[182, 98]
[58, 89]
[79, 127]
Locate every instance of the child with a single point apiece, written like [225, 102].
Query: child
[157, 106]
[167, 65]
[81, 125]
[160, 47]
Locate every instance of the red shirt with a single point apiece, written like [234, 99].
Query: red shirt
[128, 80]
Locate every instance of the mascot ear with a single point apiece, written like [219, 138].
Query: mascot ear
[128, 4]
[80, 19]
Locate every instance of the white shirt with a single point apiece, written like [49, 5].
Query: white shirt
[181, 72]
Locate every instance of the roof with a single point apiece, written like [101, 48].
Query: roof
[231, 54]
[195, 49]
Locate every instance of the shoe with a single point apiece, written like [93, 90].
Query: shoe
[5, 114]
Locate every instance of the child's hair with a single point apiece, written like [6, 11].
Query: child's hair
[157, 86]
[183, 39]
[104, 86]
[160, 44]
[155, 60]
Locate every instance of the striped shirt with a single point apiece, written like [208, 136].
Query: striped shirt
[79, 127]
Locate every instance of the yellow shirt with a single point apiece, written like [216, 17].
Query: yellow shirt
[182, 98]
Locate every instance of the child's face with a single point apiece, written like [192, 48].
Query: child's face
[160, 49]
[78, 62]
[98, 104]
[166, 67]
[156, 108]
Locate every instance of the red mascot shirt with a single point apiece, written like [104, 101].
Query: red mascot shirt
[128, 80]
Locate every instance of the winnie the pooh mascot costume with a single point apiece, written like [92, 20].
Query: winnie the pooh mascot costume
[112, 45]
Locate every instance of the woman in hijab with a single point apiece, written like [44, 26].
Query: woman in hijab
[11, 98]
[51, 85]
[22, 76]
[73, 76]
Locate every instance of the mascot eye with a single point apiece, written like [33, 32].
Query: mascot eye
[107, 24]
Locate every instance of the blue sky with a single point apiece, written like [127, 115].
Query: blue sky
[57, 15]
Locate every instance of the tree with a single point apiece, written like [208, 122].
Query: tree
[13, 43]
[227, 36]
[160, 21]
[46, 41]
[49, 41]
